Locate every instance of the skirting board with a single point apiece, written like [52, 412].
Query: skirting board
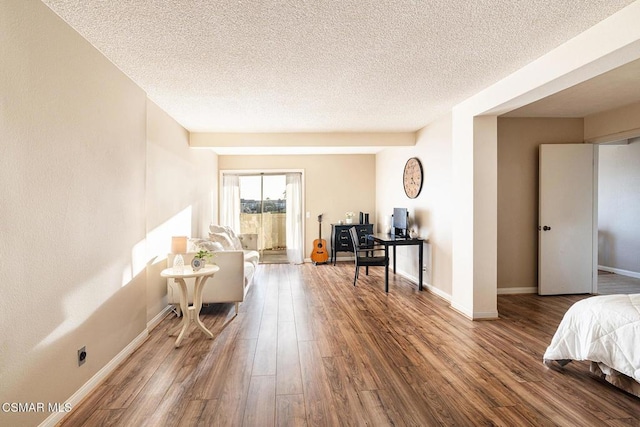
[97, 379]
[493, 315]
[620, 271]
[158, 318]
[445, 296]
[513, 291]
[337, 259]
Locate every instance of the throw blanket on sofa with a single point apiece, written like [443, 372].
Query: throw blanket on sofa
[603, 329]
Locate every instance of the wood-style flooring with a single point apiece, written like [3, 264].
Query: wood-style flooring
[611, 283]
[310, 349]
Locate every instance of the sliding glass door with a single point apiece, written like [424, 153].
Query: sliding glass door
[263, 210]
[269, 208]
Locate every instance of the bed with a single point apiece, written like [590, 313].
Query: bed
[604, 330]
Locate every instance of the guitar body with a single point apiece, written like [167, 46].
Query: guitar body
[319, 254]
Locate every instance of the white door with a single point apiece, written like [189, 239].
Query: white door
[566, 219]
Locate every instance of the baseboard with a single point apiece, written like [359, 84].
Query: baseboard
[619, 271]
[440, 293]
[329, 260]
[488, 315]
[513, 291]
[97, 379]
[466, 313]
[151, 324]
[477, 315]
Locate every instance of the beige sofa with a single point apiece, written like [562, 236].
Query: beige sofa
[237, 258]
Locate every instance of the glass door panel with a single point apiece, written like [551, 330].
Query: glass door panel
[263, 212]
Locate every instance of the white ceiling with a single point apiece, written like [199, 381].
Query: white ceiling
[616, 88]
[324, 65]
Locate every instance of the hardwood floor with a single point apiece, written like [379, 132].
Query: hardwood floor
[309, 348]
[611, 283]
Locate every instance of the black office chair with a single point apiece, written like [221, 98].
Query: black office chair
[364, 255]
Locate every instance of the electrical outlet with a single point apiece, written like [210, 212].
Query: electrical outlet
[82, 356]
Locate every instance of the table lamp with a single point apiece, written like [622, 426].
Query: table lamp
[178, 247]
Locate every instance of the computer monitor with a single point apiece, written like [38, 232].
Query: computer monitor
[400, 222]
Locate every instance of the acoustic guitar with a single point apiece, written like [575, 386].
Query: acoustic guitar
[319, 255]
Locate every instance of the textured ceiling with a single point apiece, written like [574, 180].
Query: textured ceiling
[313, 66]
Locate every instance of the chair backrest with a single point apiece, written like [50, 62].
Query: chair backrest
[355, 240]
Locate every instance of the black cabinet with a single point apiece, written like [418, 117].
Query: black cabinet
[341, 241]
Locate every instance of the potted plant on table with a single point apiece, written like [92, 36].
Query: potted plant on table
[200, 259]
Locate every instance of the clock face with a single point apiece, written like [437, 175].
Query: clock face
[412, 177]
[197, 264]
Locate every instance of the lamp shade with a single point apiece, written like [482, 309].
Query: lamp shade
[179, 244]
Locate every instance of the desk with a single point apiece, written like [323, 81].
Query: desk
[192, 312]
[390, 240]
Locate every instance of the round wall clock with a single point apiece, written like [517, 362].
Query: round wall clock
[412, 177]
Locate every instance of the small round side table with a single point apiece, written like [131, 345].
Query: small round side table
[192, 312]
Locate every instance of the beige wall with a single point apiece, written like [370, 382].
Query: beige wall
[430, 212]
[181, 184]
[334, 184]
[623, 122]
[95, 181]
[73, 209]
[518, 142]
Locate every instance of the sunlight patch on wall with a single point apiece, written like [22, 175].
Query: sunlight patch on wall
[158, 242]
[84, 300]
[87, 297]
[137, 264]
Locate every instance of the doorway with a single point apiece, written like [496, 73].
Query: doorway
[263, 210]
[618, 209]
[615, 233]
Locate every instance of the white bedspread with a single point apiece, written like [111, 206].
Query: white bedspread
[603, 329]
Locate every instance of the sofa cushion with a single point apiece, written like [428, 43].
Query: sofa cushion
[252, 257]
[223, 239]
[249, 270]
[196, 245]
[235, 239]
[225, 235]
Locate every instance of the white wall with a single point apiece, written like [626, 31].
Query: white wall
[95, 180]
[430, 212]
[619, 207]
[610, 43]
[180, 195]
[73, 209]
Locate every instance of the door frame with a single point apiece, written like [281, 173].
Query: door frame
[622, 138]
[247, 172]
[616, 139]
[594, 213]
[594, 236]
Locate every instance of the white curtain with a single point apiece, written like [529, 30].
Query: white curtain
[294, 218]
[230, 203]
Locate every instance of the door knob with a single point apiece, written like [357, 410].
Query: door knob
[546, 228]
